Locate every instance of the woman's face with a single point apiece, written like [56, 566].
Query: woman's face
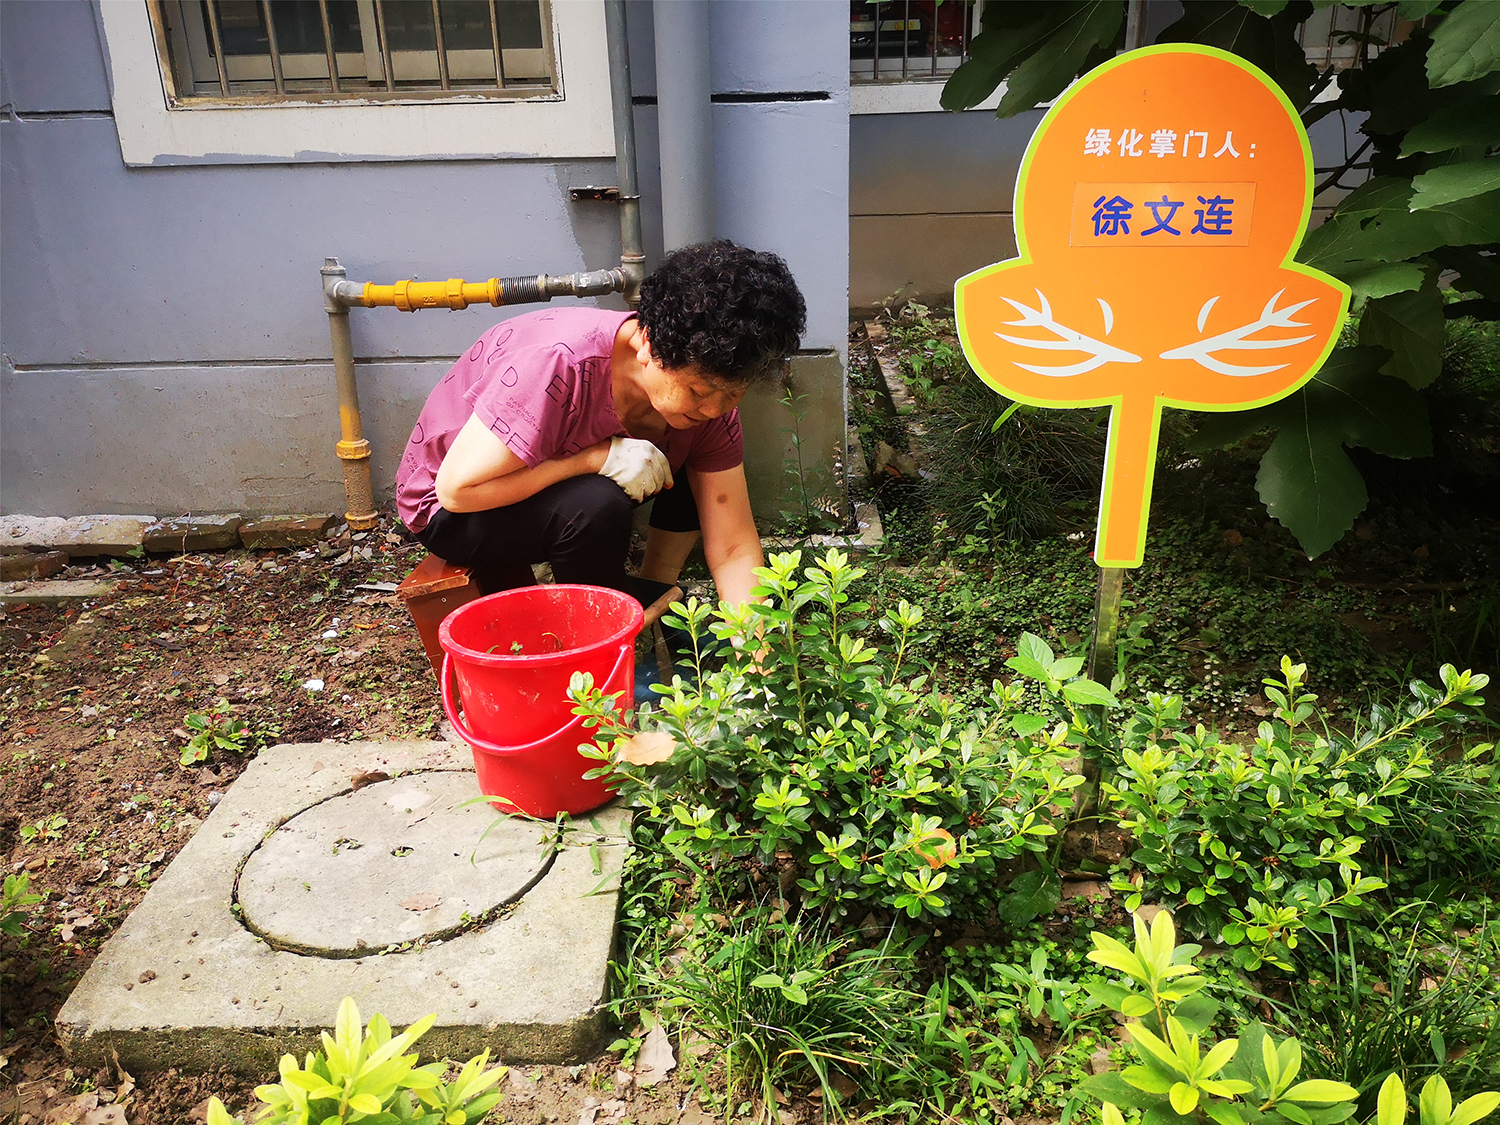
[685, 396]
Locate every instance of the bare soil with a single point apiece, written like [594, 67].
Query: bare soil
[94, 801]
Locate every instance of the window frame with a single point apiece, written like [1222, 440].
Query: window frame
[571, 120]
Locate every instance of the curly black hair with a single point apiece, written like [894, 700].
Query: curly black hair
[733, 313]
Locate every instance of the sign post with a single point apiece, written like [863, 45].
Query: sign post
[1158, 209]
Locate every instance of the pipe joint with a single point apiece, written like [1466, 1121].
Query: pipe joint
[333, 276]
[357, 450]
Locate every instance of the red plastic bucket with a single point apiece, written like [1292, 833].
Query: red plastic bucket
[511, 656]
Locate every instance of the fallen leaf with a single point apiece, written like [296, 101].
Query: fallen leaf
[368, 777]
[420, 902]
[105, 1115]
[200, 1111]
[845, 1086]
[221, 679]
[647, 748]
[656, 1060]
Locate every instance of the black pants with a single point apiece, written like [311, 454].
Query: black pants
[581, 526]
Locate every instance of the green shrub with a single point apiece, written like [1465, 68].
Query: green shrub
[807, 747]
[1251, 1080]
[1256, 842]
[14, 898]
[366, 1078]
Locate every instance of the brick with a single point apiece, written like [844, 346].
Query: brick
[284, 531]
[118, 536]
[32, 564]
[56, 592]
[194, 533]
[30, 533]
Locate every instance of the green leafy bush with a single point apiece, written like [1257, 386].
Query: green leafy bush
[1254, 843]
[1251, 1080]
[807, 747]
[365, 1078]
[14, 898]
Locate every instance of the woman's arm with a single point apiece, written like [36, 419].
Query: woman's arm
[479, 472]
[731, 544]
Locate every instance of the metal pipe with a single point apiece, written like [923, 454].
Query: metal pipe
[276, 72]
[353, 450]
[684, 124]
[213, 30]
[495, 45]
[632, 248]
[456, 293]
[442, 45]
[1135, 24]
[333, 62]
[385, 47]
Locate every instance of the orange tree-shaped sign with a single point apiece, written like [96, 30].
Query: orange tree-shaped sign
[1157, 211]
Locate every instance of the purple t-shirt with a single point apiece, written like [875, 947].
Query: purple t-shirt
[541, 383]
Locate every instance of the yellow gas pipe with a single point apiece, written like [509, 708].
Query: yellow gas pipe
[339, 294]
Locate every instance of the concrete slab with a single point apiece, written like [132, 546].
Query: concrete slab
[56, 591]
[401, 858]
[193, 533]
[185, 983]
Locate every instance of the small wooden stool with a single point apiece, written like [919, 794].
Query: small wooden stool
[436, 588]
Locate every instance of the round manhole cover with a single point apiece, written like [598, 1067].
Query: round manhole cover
[394, 862]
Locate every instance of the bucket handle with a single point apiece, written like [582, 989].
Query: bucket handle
[450, 705]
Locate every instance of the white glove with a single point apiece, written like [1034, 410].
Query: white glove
[638, 467]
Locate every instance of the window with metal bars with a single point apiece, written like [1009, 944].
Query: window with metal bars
[275, 50]
[906, 40]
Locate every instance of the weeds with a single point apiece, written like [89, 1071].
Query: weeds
[789, 1004]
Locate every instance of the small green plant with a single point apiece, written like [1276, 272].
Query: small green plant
[1255, 843]
[48, 828]
[788, 1004]
[1249, 1080]
[365, 1078]
[812, 511]
[1416, 1004]
[807, 745]
[217, 730]
[15, 897]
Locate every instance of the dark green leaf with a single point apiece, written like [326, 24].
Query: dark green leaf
[1411, 327]
[1028, 725]
[1453, 182]
[1196, 1013]
[1378, 279]
[1164, 1114]
[1368, 409]
[1013, 32]
[1308, 483]
[1466, 45]
[1110, 1087]
[1417, 10]
[1218, 430]
[1087, 693]
[1032, 893]
[1478, 273]
[1270, 44]
[1375, 224]
[1068, 52]
[1476, 121]
[1264, 7]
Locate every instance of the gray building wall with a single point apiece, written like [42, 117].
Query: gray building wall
[164, 343]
